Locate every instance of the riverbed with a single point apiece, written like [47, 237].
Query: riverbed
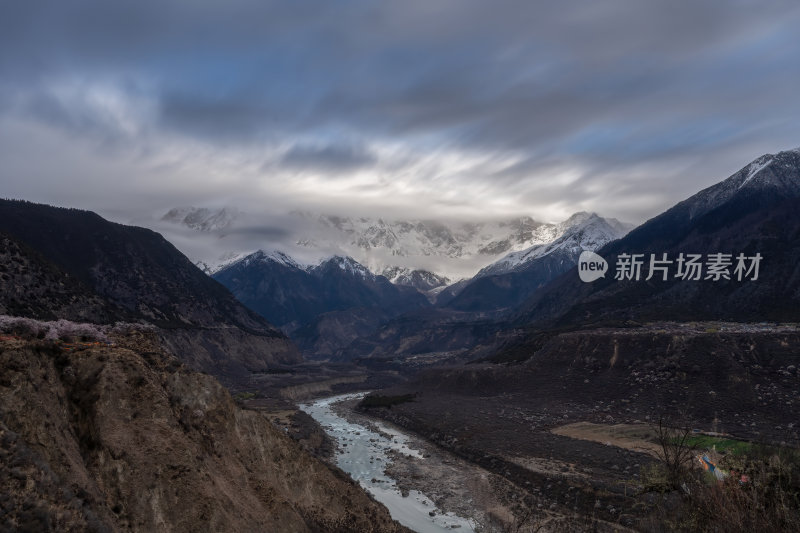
[365, 454]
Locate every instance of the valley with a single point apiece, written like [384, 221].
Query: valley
[399, 267]
[332, 398]
[566, 439]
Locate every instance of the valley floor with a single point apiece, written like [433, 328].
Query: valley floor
[562, 441]
[484, 493]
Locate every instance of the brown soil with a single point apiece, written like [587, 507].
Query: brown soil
[126, 438]
[636, 437]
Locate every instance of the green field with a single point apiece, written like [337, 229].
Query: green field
[736, 447]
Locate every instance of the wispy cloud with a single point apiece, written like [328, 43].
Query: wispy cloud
[461, 108]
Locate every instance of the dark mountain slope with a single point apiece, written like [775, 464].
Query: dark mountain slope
[289, 295]
[346, 284]
[431, 331]
[274, 286]
[324, 307]
[30, 286]
[753, 211]
[140, 272]
[508, 290]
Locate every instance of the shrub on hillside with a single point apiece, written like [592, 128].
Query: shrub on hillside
[66, 330]
[760, 490]
[767, 498]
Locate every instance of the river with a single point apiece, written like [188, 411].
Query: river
[362, 453]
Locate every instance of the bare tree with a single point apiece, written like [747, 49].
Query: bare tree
[674, 450]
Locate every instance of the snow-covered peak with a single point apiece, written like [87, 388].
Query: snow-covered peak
[574, 220]
[202, 218]
[348, 265]
[588, 232]
[423, 280]
[259, 256]
[222, 262]
[427, 238]
[452, 249]
[274, 256]
[754, 168]
[779, 173]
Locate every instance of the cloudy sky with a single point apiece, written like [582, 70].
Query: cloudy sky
[412, 108]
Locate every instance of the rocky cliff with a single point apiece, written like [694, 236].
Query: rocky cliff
[125, 437]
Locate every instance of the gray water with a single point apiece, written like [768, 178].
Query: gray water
[362, 453]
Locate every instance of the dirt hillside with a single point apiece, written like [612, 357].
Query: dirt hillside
[124, 437]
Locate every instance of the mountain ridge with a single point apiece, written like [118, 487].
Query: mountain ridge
[139, 272]
[753, 210]
[338, 295]
[509, 281]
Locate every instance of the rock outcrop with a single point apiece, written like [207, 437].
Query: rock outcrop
[125, 437]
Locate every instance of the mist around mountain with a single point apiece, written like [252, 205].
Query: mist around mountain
[536, 284]
[325, 307]
[509, 281]
[202, 218]
[437, 250]
[526, 298]
[538, 289]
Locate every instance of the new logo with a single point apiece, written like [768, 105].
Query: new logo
[591, 266]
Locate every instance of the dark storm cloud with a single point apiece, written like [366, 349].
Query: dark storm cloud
[227, 119]
[334, 157]
[625, 93]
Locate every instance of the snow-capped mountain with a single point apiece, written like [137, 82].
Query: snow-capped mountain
[409, 238]
[261, 256]
[518, 275]
[347, 264]
[338, 295]
[201, 218]
[774, 172]
[422, 280]
[223, 261]
[754, 211]
[439, 250]
[582, 231]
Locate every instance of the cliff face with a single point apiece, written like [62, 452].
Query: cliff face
[125, 437]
